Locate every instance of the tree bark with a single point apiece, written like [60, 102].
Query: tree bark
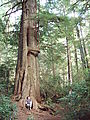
[53, 64]
[69, 63]
[27, 72]
[7, 77]
[84, 48]
[76, 59]
[63, 73]
[81, 50]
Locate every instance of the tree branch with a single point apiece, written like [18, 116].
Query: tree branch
[12, 8]
[5, 3]
[12, 12]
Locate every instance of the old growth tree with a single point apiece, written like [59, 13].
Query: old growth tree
[27, 76]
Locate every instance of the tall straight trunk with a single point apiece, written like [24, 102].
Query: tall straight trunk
[53, 69]
[63, 73]
[19, 58]
[7, 77]
[81, 49]
[84, 47]
[64, 79]
[76, 59]
[27, 72]
[53, 64]
[75, 50]
[69, 63]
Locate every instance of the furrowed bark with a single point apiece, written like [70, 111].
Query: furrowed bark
[27, 73]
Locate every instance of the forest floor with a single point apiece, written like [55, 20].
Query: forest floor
[24, 113]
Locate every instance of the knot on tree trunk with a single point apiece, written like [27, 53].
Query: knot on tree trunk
[33, 51]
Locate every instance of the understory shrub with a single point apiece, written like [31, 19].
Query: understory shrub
[8, 110]
[30, 117]
[77, 104]
[52, 88]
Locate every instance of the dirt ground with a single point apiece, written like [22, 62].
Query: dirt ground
[23, 114]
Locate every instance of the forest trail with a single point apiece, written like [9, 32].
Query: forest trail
[23, 114]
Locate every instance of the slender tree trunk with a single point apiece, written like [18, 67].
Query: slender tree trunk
[63, 73]
[27, 72]
[68, 59]
[64, 78]
[53, 69]
[69, 63]
[76, 59]
[81, 50]
[85, 53]
[53, 64]
[7, 77]
[84, 47]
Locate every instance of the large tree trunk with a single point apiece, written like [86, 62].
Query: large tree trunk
[27, 73]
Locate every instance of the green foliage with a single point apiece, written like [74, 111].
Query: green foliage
[87, 76]
[8, 54]
[50, 102]
[76, 104]
[30, 117]
[51, 86]
[7, 108]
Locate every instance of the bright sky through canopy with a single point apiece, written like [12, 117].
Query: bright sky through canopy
[14, 16]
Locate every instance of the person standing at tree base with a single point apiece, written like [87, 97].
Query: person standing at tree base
[29, 103]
